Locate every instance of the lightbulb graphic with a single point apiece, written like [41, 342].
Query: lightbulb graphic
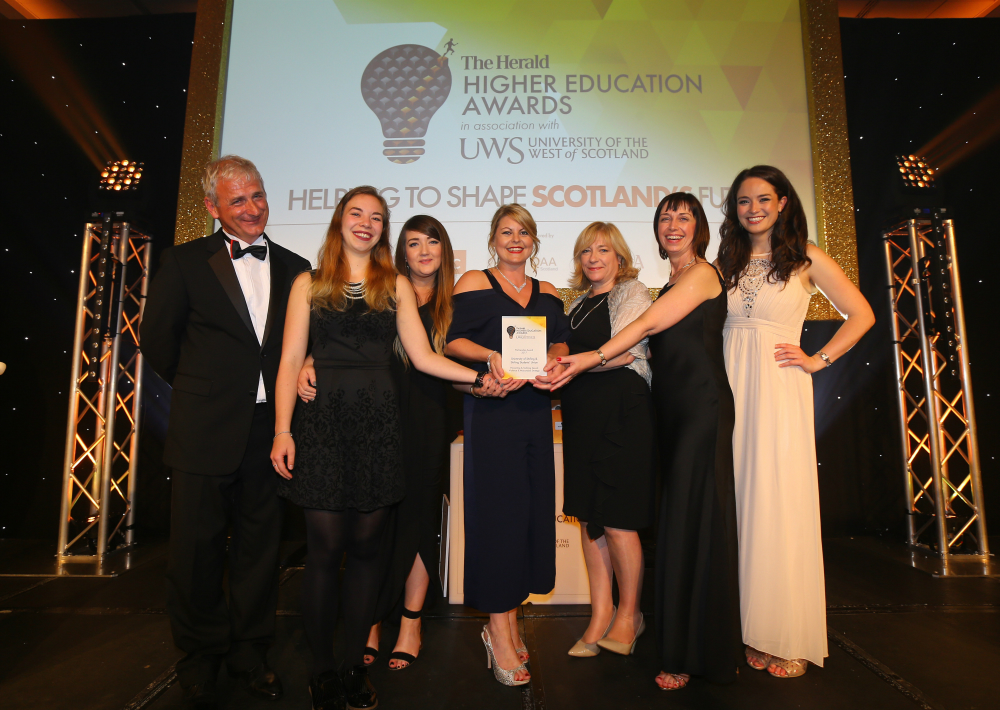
[404, 86]
[510, 331]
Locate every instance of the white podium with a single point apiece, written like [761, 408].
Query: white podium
[571, 571]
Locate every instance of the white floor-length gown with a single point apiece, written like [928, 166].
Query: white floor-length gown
[782, 594]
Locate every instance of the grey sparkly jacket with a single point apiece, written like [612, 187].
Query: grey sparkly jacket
[626, 302]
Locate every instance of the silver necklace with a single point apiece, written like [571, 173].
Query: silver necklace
[577, 311]
[516, 288]
[681, 270]
[355, 290]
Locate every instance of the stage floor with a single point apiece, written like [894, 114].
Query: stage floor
[899, 638]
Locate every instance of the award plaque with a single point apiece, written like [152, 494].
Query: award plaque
[524, 349]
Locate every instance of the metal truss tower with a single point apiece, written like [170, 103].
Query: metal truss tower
[100, 470]
[938, 438]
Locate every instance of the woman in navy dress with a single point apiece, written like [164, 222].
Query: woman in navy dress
[509, 464]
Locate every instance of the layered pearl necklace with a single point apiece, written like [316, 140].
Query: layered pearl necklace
[355, 290]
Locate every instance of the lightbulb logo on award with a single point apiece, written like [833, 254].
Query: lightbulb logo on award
[404, 86]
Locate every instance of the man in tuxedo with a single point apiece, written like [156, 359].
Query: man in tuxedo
[212, 328]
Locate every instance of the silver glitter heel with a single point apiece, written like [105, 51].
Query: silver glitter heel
[503, 676]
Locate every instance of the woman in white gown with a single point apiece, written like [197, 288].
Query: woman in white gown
[771, 271]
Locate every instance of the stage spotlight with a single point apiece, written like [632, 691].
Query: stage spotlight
[916, 172]
[121, 176]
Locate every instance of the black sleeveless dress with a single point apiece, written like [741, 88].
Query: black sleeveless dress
[347, 447]
[509, 477]
[416, 525]
[697, 576]
[608, 450]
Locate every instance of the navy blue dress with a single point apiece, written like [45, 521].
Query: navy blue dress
[510, 491]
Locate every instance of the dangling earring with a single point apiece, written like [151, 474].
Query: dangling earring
[407, 266]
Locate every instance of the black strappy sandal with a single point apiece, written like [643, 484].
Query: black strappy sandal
[373, 652]
[399, 655]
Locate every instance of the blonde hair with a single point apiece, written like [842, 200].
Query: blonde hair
[228, 167]
[520, 215]
[614, 239]
[333, 271]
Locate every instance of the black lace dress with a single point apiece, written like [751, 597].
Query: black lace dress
[347, 446]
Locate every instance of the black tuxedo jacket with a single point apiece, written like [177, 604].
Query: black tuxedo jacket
[196, 334]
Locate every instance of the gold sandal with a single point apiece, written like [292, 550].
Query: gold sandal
[793, 668]
[758, 660]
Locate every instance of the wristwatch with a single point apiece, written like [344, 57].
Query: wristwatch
[479, 380]
[825, 358]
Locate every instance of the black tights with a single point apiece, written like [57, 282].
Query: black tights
[331, 533]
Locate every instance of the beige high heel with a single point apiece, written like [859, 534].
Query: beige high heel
[581, 649]
[502, 675]
[624, 649]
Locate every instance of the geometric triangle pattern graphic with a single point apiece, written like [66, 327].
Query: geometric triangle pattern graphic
[742, 80]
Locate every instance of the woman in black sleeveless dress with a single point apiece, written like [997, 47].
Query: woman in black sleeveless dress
[409, 548]
[697, 585]
[608, 449]
[340, 456]
[509, 477]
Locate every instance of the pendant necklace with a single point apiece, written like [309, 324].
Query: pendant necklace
[580, 308]
[516, 288]
[681, 270]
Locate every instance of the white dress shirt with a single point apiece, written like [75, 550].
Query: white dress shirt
[255, 280]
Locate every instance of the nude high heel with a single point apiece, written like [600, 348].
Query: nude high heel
[581, 649]
[503, 676]
[624, 649]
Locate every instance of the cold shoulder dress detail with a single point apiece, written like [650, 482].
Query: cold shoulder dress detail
[509, 476]
[347, 439]
[697, 621]
[783, 598]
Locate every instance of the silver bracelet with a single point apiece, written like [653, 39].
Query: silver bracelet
[282, 432]
[492, 353]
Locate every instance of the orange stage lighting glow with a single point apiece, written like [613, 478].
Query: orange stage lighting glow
[973, 130]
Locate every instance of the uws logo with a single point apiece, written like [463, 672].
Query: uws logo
[404, 86]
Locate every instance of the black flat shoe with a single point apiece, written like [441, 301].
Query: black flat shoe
[358, 689]
[327, 691]
[261, 682]
[202, 696]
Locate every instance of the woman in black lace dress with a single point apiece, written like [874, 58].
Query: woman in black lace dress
[410, 544]
[697, 622]
[343, 464]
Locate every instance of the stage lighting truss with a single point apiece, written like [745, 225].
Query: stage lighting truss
[916, 172]
[121, 176]
[102, 436]
[937, 420]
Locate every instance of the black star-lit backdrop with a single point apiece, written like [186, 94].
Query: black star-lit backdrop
[74, 92]
[907, 81]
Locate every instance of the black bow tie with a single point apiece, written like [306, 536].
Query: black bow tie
[259, 251]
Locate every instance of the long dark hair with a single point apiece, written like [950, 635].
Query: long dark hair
[789, 236]
[672, 203]
[444, 279]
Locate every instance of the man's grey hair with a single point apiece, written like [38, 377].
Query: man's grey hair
[228, 167]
